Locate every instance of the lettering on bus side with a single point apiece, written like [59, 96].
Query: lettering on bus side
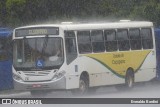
[118, 61]
[118, 55]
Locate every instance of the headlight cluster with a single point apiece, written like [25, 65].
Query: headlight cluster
[59, 75]
[16, 77]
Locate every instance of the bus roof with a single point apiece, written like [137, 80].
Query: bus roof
[5, 32]
[108, 25]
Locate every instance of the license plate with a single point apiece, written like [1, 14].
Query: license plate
[36, 85]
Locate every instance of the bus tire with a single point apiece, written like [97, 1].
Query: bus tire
[83, 86]
[129, 79]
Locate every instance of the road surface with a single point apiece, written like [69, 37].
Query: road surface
[141, 90]
[147, 90]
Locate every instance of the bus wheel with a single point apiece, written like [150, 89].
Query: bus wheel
[129, 80]
[83, 86]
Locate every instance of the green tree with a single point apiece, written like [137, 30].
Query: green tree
[3, 13]
[23, 12]
[15, 11]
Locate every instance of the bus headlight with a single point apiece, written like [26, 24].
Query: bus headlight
[59, 75]
[16, 77]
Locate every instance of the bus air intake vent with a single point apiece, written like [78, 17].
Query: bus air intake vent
[36, 73]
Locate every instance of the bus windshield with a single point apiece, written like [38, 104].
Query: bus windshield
[38, 53]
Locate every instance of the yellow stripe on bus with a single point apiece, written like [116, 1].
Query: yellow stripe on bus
[119, 62]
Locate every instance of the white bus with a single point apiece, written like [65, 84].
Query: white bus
[82, 56]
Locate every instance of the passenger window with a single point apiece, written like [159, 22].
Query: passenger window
[71, 49]
[123, 40]
[84, 42]
[147, 41]
[135, 39]
[110, 40]
[97, 41]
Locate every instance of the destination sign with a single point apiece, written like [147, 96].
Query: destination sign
[37, 31]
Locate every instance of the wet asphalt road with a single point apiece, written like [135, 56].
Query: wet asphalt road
[140, 90]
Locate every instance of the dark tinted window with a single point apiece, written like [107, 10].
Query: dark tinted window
[110, 40]
[123, 40]
[97, 41]
[71, 49]
[84, 41]
[147, 41]
[135, 39]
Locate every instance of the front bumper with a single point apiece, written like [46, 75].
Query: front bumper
[45, 85]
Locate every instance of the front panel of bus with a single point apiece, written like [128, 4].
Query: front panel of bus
[37, 57]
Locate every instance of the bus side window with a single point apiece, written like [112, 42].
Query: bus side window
[123, 40]
[71, 49]
[84, 42]
[110, 40]
[147, 40]
[135, 39]
[97, 41]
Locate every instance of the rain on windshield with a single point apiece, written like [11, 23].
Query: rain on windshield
[38, 53]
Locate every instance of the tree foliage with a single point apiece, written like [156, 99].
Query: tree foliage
[15, 13]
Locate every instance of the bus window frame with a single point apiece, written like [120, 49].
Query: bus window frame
[120, 41]
[89, 42]
[151, 38]
[74, 37]
[135, 39]
[115, 40]
[98, 41]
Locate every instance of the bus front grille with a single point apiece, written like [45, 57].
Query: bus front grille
[36, 73]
